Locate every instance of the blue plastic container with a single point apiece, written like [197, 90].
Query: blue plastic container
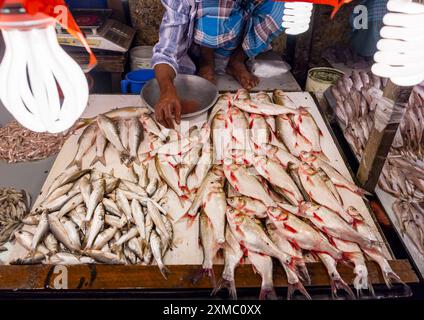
[135, 80]
[87, 4]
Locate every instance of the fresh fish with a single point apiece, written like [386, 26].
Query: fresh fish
[286, 246]
[301, 234]
[288, 133]
[96, 197]
[150, 126]
[232, 257]
[210, 249]
[85, 189]
[111, 207]
[260, 133]
[133, 232]
[123, 204]
[249, 232]
[60, 233]
[59, 192]
[249, 206]
[160, 192]
[337, 178]
[72, 231]
[246, 184]
[266, 108]
[37, 258]
[101, 143]
[376, 254]
[155, 215]
[58, 203]
[336, 280]
[104, 237]
[51, 243]
[96, 225]
[141, 171]
[78, 217]
[319, 192]
[41, 231]
[221, 106]
[237, 126]
[109, 130]
[24, 238]
[330, 223]
[221, 136]
[262, 264]
[135, 137]
[85, 142]
[353, 254]
[63, 258]
[281, 98]
[136, 245]
[169, 174]
[309, 130]
[71, 205]
[156, 247]
[188, 163]
[276, 174]
[138, 216]
[135, 188]
[123, 133]
[114, 221]
[104, 257]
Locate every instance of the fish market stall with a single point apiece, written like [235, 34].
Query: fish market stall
[400, 185]
[103, 196]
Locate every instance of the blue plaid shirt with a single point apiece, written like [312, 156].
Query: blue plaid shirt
[176, 36]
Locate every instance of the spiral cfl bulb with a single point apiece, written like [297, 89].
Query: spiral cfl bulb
[33, 71]
[400, 54]
[297, 17]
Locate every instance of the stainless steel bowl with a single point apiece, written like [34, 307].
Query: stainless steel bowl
[189, 88]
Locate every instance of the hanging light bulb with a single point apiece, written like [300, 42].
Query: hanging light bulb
[400, 54]
[297, 17]
[35, 69]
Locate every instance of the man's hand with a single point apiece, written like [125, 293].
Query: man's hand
[169, 106]
[167, 109]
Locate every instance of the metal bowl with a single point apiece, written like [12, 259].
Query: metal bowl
[189, 88]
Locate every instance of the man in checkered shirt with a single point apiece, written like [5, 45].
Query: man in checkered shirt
[202, 36]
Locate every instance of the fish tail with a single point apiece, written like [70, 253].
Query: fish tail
[298, 286]
[77, 163]
[102, 160]
[190, 219]
[202, 272]
[337, 284]
[224, 283]
[164, 271]
[267, 293]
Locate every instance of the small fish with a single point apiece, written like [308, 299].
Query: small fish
[210, 249]
[85, 142]
[104, 257]
[123, 133]
[138, 216]
[51, 243]
[111, 207]
[248, 206]
[156, 247]
[155, 215]
[123, 204]
[60, 233]
[96, 225]
[59, 192]
[266, 108]
[109, 130]
[71, 229]
[41, 231]
[96, 197]
[58, 203]
[71, 205]
[150, 125]
[101, 143]
[104, 237]
[85, 189]
[135, 137]
[141, 171]
[135, 188]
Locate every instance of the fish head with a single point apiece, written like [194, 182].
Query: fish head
[277, 213]
[236, 202]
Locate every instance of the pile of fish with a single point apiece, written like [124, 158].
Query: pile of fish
[403, 174]
[18, 144]
[89, 217]
[254, 176]
[274, 189]
[13, 210]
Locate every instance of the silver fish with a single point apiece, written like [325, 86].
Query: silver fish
[61, 234]
[104, 257]
[96, 197]
[101, 143]
[156, 247]
[138, 216]
[110, 131]
[41, 231]
[104, 237]
[72, 231]
[135, 137]
[96, 225]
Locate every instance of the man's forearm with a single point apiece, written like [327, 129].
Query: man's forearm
[165, 76]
